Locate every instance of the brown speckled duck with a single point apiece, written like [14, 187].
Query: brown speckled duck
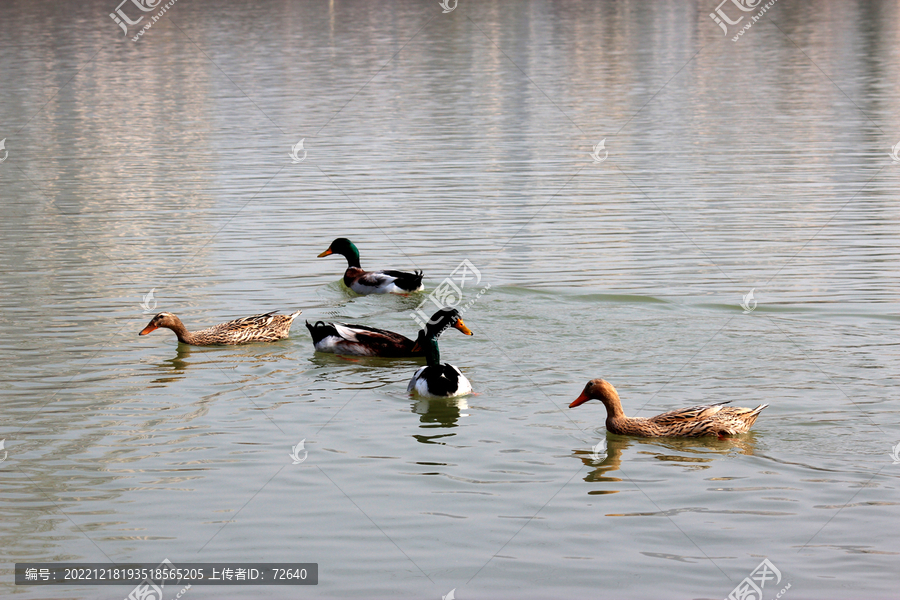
[694, 421]
[267, 327]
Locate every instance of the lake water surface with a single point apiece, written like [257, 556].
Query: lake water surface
[432, 138]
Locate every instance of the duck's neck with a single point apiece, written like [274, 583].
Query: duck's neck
[614, 410]
[432, 353]
[184, 336]
[352, 256]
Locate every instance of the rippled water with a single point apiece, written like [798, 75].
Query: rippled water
[432, 138]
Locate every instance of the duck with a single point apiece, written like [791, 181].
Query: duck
[372, 282]
[694, 421]
[437, 380]
[359, 340]
[267, 327]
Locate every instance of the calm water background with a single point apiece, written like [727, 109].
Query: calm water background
[432, 138]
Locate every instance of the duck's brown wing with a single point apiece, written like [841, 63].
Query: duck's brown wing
[249, 324]
[381, 341]
[711, 419]
[266, 327]
[742, 412]
[738, 419]
[681, 416]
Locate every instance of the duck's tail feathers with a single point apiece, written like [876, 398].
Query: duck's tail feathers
[320, 330]
[411, 282]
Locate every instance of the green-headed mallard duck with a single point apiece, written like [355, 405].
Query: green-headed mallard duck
[372, 282]
[436, 380]
[359, 340]
[695, 421]
[267, 327]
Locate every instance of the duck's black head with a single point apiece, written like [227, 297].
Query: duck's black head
[442, 320]
[345, 248]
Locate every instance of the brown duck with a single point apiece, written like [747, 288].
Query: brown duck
[267, 327]
[695, 421]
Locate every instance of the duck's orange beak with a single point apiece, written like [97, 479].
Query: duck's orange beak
[148, 329]
[580, 400]
[462, 327]
[326, 253]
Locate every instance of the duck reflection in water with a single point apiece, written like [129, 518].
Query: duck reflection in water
[175, 367]
[605, 458]
[225, 357]
[439, 413]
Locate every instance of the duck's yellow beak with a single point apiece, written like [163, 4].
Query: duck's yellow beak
[148, 329]
[462, 327]
[580, 400]
[326, 253]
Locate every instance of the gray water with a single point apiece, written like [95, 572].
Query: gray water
[433, 138]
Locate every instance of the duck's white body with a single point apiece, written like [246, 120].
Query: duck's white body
[383, 282]
[340, 345]
[439, 381]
